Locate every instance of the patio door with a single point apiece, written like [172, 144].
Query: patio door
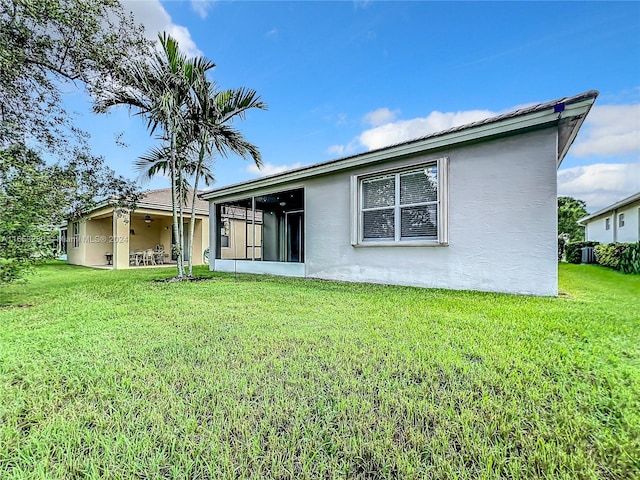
[295, 236]
[185, 243]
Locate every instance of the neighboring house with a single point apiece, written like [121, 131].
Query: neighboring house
[619, 222]
[473, 207]
[106, 236]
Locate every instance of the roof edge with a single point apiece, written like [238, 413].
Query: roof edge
[576, 107]
[110, 202]
[619, 204]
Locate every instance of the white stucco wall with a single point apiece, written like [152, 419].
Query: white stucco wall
[502, 224]
[595, 230]
[630, 232]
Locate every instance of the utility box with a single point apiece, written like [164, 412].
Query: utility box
[588, 255]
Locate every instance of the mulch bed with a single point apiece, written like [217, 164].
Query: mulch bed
[181, 279]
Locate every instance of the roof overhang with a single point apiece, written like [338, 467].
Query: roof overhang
[621, 204]
[168, 208]
[566, 114]
[144, 205]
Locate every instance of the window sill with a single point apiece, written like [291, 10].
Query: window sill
[408, 243]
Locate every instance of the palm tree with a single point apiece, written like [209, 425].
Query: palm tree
[160, 89]
[191, 164]
[211, 115]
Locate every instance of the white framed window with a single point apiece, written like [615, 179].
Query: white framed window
[621, 220]
[76, 234]
[607, 223]
[403, 207]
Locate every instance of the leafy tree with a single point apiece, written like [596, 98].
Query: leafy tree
[50, 43]
[570, 210]
[159, 89]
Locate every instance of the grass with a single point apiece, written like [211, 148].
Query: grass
[105, 374]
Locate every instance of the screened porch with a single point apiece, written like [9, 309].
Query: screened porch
[266, 228]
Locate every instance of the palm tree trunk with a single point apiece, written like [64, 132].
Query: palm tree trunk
[192, 225]
[176, 247]
[176, 231]
[180, 219]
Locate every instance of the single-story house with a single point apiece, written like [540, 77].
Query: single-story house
[109, 238]
[473, 207]
[619, 222]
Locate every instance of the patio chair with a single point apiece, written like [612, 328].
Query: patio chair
[148, 257]
[159, 254]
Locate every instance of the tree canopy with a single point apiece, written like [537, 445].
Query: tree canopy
[48, 45]
[570, 210]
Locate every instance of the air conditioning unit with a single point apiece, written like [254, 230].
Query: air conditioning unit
[588, 255]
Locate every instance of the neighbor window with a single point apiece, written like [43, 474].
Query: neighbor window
[224, 241]
[400, 206]
[621, 220]
[76, 234]
[62, 242]
[607, 223]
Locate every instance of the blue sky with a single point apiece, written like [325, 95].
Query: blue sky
[343, 77]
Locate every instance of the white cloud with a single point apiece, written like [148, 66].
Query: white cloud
[272, 33]
[388, 132]
[271, 169]
[342, 150]
[380, 116]
[155, 19]
[609, 130]
[337, 150]
[201, 7]
[404, 130]
[600, 184]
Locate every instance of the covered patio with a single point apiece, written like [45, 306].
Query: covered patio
[109, 237]
[142, 239]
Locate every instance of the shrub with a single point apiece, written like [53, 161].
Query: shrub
[573, 250]
[609, 255]
[630, 259]
[563, 239]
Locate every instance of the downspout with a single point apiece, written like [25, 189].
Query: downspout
[615, 225]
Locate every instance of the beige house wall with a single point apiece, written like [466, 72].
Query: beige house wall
[121, 245]
[76, 248]
[98, 240]
[240, 241]
[200, 239]
[143, 236]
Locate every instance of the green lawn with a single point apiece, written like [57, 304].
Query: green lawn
[105, 374]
